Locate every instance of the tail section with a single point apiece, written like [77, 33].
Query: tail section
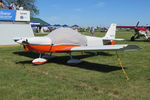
[111, 33]
[109, 38]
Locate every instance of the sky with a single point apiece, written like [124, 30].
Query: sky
[94, 12]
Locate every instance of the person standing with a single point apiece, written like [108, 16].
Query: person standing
[19, 7]
[1, 4]
[92, 29]
[12, 6]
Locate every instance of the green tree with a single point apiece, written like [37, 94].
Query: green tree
[27, 4]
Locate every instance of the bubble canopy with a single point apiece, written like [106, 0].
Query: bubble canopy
[67, 36]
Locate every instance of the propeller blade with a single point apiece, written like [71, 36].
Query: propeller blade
[22, 41]
[137, 24]
[25, 42]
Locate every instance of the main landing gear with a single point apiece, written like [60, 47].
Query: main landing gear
[136, 36]
[43, 59]
[73, 61]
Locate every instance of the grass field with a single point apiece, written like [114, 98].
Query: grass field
[99, 77]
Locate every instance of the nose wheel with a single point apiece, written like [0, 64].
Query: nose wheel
[42, 59]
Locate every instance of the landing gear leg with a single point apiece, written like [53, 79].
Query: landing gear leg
[40, 60]
[70, 55]
[73, 61]
[48, 57]
[40, 56]
[51, 54]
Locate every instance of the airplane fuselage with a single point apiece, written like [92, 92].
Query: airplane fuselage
[44, 44]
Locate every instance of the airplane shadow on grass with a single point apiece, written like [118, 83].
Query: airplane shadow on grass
[62, 60]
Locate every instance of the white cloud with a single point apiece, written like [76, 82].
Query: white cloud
[100, 4]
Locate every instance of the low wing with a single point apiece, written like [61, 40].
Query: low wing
[124, 47]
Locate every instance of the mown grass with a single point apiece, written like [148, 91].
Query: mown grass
[99, 77]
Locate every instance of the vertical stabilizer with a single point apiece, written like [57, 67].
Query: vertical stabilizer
[111, 33]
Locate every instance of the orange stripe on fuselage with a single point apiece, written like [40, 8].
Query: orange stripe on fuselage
[38, 48]
[47, 48]
[62, 48]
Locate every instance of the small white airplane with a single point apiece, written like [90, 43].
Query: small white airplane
[67, 40]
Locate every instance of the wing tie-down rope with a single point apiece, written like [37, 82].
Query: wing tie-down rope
[124, 72]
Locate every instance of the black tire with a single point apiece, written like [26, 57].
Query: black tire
[148, 39]
[132, 38]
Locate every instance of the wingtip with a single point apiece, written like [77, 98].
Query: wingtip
[131, 48]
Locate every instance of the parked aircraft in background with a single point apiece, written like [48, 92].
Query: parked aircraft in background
[140, 31]
[67, 40]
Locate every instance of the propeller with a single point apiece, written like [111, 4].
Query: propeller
[137, 24]
[136, 27]
[25, 42]
[22, 41]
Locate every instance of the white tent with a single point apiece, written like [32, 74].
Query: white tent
[14, 23]
[8, 31]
